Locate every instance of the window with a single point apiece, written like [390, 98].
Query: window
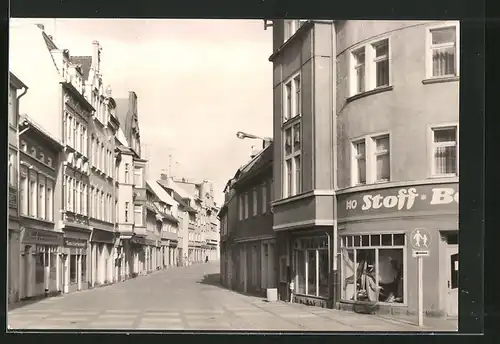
[69, 193]
[445, 151]
[42, 157]
[382, 158]
[359, 69]
[370, 67]
[77, 136]
[293, 174]
[12, 169]
[311, 265]
[33, 196]
[69, 130]
[371, 271]
[33, 152]
[138, 177]
[49, 161]
[126, 211]
[78, 199]
[41, 197]
[247, 205]
[291, 26]
[85, 201]
[12, 109]
[241, 206]
[293, 101]
[23, 191]
[40, 261]
[371, 160]
[264, 198]
[254, 201]
[24, 147]
[101, 158]
[73, 195]
[49, 200]
[73, 262]
[381, 61]
[443, 52]
[126, 173]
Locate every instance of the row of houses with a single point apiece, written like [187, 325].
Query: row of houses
[364, 154]
[82, 210]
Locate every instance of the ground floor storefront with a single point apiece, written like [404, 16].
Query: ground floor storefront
[73, 259]
[14, 257]
[40, 266]
[377, 254]
[195, 253]
[102, 257]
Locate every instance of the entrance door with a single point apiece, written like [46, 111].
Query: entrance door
[452, 301]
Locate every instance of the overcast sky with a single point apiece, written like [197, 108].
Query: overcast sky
[197, 81]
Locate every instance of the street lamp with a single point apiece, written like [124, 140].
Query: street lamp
[266, 140]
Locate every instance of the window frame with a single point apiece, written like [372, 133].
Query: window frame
[23, 146]
[290, 125]
[49, 203]
[255, 198]
[138, 210]
[370, 66]
[432, 146]
[292, 107]
[429, 48]
[24, 191]
[370, 158]
[247, 206]
[33, 194]
[264, 197]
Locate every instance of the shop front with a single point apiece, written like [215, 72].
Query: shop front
[376, 228]
[102, 255]
[173, 252]
[40, 263]
[74, 262]
[137, 255]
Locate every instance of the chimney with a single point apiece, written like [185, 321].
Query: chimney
[96, 55]
[41, 26]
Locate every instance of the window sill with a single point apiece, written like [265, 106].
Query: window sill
[370, 92]
[291, 120]
[440, 80]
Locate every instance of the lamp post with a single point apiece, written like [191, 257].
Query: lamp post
[265, 140]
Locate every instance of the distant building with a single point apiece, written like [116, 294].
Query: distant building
[248, 261]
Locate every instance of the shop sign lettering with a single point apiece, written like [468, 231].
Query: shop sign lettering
[427, 197]
[79, 243]
[36, 236]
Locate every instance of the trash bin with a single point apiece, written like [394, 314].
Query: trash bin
[272, 294]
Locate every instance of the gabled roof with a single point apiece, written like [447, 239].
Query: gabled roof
[255, 166]
[177, 197]
[85, 62]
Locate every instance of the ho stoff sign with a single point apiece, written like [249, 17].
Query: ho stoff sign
[420, 198]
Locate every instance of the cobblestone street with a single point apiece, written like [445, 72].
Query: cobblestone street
[191, 298]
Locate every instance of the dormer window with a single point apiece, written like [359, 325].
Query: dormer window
[42, 157]
[24, 147]
[49, 162]
[33, 152]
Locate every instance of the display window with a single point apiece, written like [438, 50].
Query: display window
[372, 268]
[311, 266]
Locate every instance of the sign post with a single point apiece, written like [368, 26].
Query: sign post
[420, 239]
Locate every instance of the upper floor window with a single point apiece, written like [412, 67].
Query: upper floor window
[241, 204]
[247, 205]
[291, 26]
[254, 201]
[33, 152]
[138, 215]
[12, 109]
[442, 59]
[24, 147]
[292, 153]
[371, 160]
[264, 198]
[138, 177]
[126, 211]
[293, 100]
[42, 157]
[445, 151]
[12, 169]
[370, 67]
[49, 161]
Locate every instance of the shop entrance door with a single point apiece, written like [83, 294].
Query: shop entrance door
[452, 301]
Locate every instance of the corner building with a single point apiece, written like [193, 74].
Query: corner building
[390, 111]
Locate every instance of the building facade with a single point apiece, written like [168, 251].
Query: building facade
[41, 264]
[343, 216]
[250, 249]
[17, 89]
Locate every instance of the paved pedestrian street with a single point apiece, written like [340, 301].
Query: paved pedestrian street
[191, 298]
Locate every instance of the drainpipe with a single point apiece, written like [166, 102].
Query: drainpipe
[18, 135]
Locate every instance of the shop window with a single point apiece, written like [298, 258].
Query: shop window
[73, 268]
[311, 272]
[323, 273]
[300, 283]
[375, 273]
[40, 259]
[84, 268]
[311, 265]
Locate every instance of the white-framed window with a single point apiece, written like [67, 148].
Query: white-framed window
[254, 201]
[310, 260]
[292, 105]
[444, 151]
[264, 198]
[33, 152]
[138, 180]
[42, 157]
[103, 167]
[23, 190]
[84, 200]
[247, 205]
[138, 215]
[49, 194]
[49, 161]
[291, 26]
[371, 159]
[24, 146]
[370, 67]
[292, 153]
[241, 205]
[373, 268]
[69, 130]
[69, 193]
[77, 136]
[33, 195]
[41, 197]
[443, 47]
